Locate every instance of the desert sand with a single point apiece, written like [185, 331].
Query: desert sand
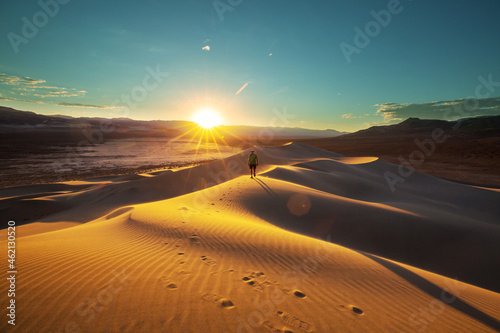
[316, 243]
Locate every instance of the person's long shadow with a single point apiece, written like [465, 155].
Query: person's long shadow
[433, 290]
[265, 187]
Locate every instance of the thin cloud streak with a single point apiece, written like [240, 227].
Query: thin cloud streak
[241, 89]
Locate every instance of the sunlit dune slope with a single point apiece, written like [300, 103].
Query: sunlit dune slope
[208, 249]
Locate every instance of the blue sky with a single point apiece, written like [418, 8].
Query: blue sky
[88, 56]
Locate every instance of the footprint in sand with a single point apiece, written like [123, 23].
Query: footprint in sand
[357, 310]
[256, 285]
[222, 301]
[258, 280]
[293, 321]
[352, 308]
[181, 258]
[194, 239]
[166, 282]
[208, 261]
[226, 303]
[299, 294]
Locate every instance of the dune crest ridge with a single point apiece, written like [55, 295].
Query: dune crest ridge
[316, 243]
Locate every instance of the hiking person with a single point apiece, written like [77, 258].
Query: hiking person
[253, 162]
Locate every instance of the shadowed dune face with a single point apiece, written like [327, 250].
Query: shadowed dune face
[207, 248]
[427, 236]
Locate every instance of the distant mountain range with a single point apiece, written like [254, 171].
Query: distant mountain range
[18, 120]
[384, 139]
[479, 126]
[15, 121]
[467, 150]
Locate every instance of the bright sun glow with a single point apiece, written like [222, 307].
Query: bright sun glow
[207, 118]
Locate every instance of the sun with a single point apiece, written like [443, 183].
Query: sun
[207, 118]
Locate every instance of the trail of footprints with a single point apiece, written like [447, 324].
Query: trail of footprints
[259, 281]
[175, 248]
[279, 322]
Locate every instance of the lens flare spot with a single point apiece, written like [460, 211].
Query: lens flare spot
[299, 204]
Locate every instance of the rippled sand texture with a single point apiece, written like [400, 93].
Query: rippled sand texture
[208, 249]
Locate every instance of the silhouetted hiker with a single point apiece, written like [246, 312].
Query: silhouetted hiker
[253, 162]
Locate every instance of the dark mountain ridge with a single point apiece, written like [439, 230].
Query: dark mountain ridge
[478, 126]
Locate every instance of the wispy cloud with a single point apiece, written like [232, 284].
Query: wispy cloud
[37, 92]
[350, 116]
[206, 48]
[18, 80]
[439, 109]
[35, 87]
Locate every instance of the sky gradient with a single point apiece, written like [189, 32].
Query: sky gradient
[253, 60]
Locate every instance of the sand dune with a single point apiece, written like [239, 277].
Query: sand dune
[317, 243]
